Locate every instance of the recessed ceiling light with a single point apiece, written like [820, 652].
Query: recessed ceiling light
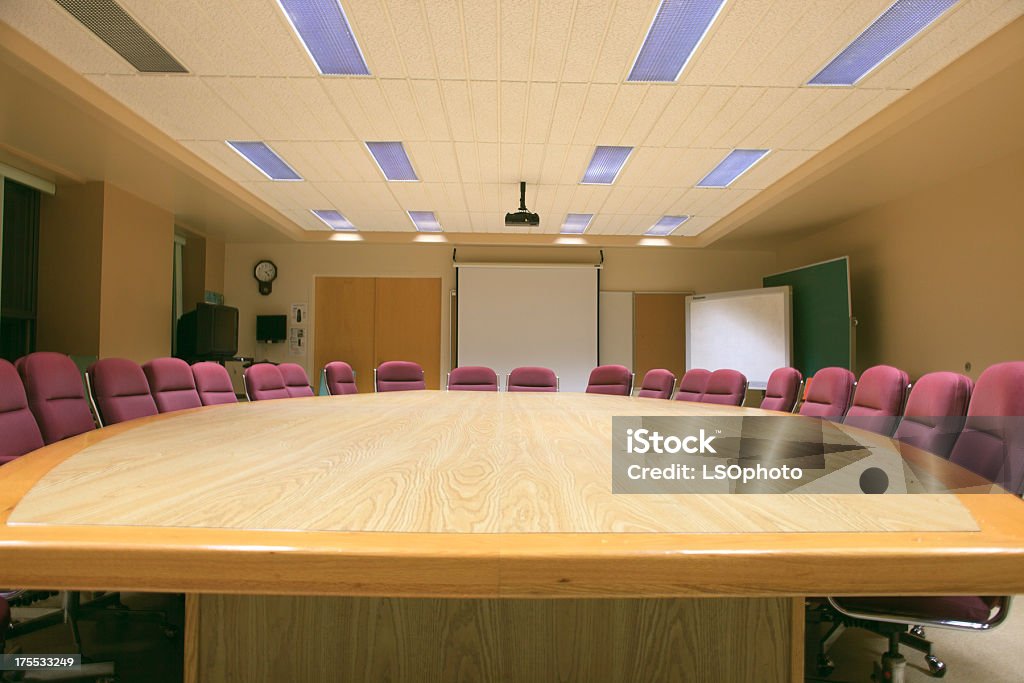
[325, 33]
[732, 167]
[576, 223]
[887, 34]
[677, 30]
[265, 159]
[605, 165]
[425, 221]
[333, 219]
[392, 160]
[666, 226]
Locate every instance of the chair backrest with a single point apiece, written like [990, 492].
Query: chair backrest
[657, 383]
[614, 380]
[340, 378]
[935, 412]
[783, 390]
[17, 424]
[399, 375]
[296, 382]
[693, 384]
[119, 390]
[725, 387]
[213, 383]
[264, 382]
[829, 393]
[53, 386]
[532, 378]
[992, 442]
[472, 378]
[878, 400]
[172, 385]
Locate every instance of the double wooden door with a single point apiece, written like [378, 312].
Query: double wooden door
[365, 321]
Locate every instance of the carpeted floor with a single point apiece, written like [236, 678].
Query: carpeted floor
[996, 656]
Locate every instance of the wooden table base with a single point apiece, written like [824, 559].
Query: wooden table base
[274, 638]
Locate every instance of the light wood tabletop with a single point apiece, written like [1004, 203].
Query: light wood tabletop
[462, 494]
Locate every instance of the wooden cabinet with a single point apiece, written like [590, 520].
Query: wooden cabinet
[366, 321]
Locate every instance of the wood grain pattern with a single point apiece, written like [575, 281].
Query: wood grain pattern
[266, 560]
[454, 462]
[344, 325]
[533, 641]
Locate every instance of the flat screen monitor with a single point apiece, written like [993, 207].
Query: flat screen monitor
[271, 328]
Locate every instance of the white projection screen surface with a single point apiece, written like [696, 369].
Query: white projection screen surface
[749, 331]
[511, 316]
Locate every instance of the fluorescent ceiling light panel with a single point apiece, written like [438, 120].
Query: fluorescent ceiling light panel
[333, 219]
[889, 32]
[425, 221]
[732, 167]
[666, 226]
[677, 30]
[265, 159]
[605, 165]
[392, 160]
[576, 223]
[324, 31]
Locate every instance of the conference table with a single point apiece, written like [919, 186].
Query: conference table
[472, 536]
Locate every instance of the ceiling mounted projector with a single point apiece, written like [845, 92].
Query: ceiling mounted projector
[522, 216]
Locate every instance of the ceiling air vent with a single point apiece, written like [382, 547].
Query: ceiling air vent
[116, 28]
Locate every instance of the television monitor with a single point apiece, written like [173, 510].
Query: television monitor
[210, 332]
[271, 328]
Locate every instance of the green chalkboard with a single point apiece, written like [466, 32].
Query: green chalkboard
[822, 333]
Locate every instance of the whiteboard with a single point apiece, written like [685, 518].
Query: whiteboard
[749, 331]
[515, 315]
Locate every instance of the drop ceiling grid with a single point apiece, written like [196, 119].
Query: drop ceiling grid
[480, 103]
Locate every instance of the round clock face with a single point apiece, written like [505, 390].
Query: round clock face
[265, 271]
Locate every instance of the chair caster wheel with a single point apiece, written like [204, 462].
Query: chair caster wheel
[936, 667]
[824, 665]
[917, 631]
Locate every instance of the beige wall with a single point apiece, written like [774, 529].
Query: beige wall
[936, 277]
[298, 264]
[70, 239]
[135, 288]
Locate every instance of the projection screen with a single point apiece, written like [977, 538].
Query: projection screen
[512, 315]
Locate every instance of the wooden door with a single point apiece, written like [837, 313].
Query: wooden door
[408, 323]
[344, 326]
[659, 333]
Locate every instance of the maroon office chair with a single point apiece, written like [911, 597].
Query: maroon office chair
[296, 382]
[878, 400]
[783, 390]
[53, 387]
[172, 385]
[264, 382]
[213, 383]
[992, 442]
[936, 411]
[472, 378]
[340, 378]
[725, 387]
[657, 383]
[614, 380]
[531, 378]
[693, 384]
[17, 424]
[119, 391]
[991, 445]
[399, 375]
[828, 395]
